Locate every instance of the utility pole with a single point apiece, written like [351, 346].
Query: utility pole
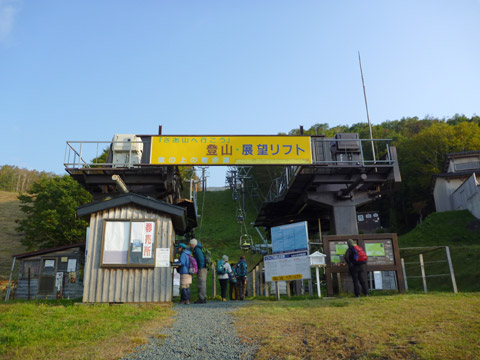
[366, 107]
[204, 178]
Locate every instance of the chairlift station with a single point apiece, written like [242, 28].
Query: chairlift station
[323, 179]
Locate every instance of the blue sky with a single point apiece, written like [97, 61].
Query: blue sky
[85, 70]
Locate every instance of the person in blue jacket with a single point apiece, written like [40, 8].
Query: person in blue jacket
[185, 277]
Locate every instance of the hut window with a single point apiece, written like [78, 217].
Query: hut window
[34, 266]
[129, 243]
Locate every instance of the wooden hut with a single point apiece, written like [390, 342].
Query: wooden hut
[51, 273]
[130, 249]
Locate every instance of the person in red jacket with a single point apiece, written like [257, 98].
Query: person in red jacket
[357, 259]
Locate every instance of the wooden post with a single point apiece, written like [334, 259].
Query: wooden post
[422, 268]
[310, 287]
[7, 296]
[254, 278]
[404, 274]
[289, 292]
[339, 280]
[278, 290]
[28, 285]
[214, 280]
[267, 289]
[260, 280]
[450, 266]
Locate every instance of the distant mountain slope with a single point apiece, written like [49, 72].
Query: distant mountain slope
[9, 238]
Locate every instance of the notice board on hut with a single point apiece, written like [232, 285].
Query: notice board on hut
[130, 248]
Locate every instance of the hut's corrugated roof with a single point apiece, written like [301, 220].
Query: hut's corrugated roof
[177, 213]
[46, 251]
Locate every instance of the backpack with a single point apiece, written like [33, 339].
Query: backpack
[208, 257]
[221, 267]
[359, 255]
[192, 266]
[242, 268]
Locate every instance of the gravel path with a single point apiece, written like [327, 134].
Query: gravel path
[199, 332]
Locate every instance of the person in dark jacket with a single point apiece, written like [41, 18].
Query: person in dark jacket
[185, 277]
[241, 277]
[356, 270]
[232, 281]
[202, 271]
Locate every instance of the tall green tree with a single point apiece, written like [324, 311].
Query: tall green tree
[51, 216]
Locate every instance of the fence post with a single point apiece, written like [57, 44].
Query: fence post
[404, 274]
[278, 290]
[450, 266]
[288, 289]
[267, 289]
[422, 268]
[254, 278]
[260, 280]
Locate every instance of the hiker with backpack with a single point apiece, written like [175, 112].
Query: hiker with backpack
[356, 259]
[197, 251]
[223, 271]
[185, 273]
[232, 280]
[241, 270]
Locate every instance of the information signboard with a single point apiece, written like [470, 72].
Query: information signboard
[230, 150]
[287, 266]
[379, 252]
[291, 237]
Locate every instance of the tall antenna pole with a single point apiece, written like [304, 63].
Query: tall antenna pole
[366, 107]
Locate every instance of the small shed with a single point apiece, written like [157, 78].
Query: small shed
[51, 273]
[130, 249]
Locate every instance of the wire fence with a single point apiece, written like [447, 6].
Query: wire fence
[433, 263]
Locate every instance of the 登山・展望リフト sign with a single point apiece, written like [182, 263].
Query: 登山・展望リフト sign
[230, 150]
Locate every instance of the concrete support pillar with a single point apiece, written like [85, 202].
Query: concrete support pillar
[345, 219]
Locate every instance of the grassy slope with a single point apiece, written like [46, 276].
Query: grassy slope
[9, 238]
[220, 232]
[461, 232]
[433, 326]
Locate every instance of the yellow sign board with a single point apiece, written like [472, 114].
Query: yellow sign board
[230, 150]
[287, 277]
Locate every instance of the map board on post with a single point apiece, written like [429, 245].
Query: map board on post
[291, 237]
[289, 260]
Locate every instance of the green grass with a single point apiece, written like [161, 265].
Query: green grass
[433, 326]
[459, 230]
[51, 329]
[444, 228]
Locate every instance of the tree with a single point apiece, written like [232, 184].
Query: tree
[51, 216]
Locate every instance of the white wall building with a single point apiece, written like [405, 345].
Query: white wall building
[458, 187]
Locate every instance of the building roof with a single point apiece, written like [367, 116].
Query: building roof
[46, 251]
[457, 155]
[177, 213]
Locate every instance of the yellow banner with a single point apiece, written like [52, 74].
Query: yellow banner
[230, 150]
[287, 277]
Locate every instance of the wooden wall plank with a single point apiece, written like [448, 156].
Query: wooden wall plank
[87, 270]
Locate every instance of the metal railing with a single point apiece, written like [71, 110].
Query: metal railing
[327, 152]
[85, 154]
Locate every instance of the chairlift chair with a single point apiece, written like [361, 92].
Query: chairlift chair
[246, 242]
[240, 216]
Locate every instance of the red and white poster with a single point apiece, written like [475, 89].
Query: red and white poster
[148, 239]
